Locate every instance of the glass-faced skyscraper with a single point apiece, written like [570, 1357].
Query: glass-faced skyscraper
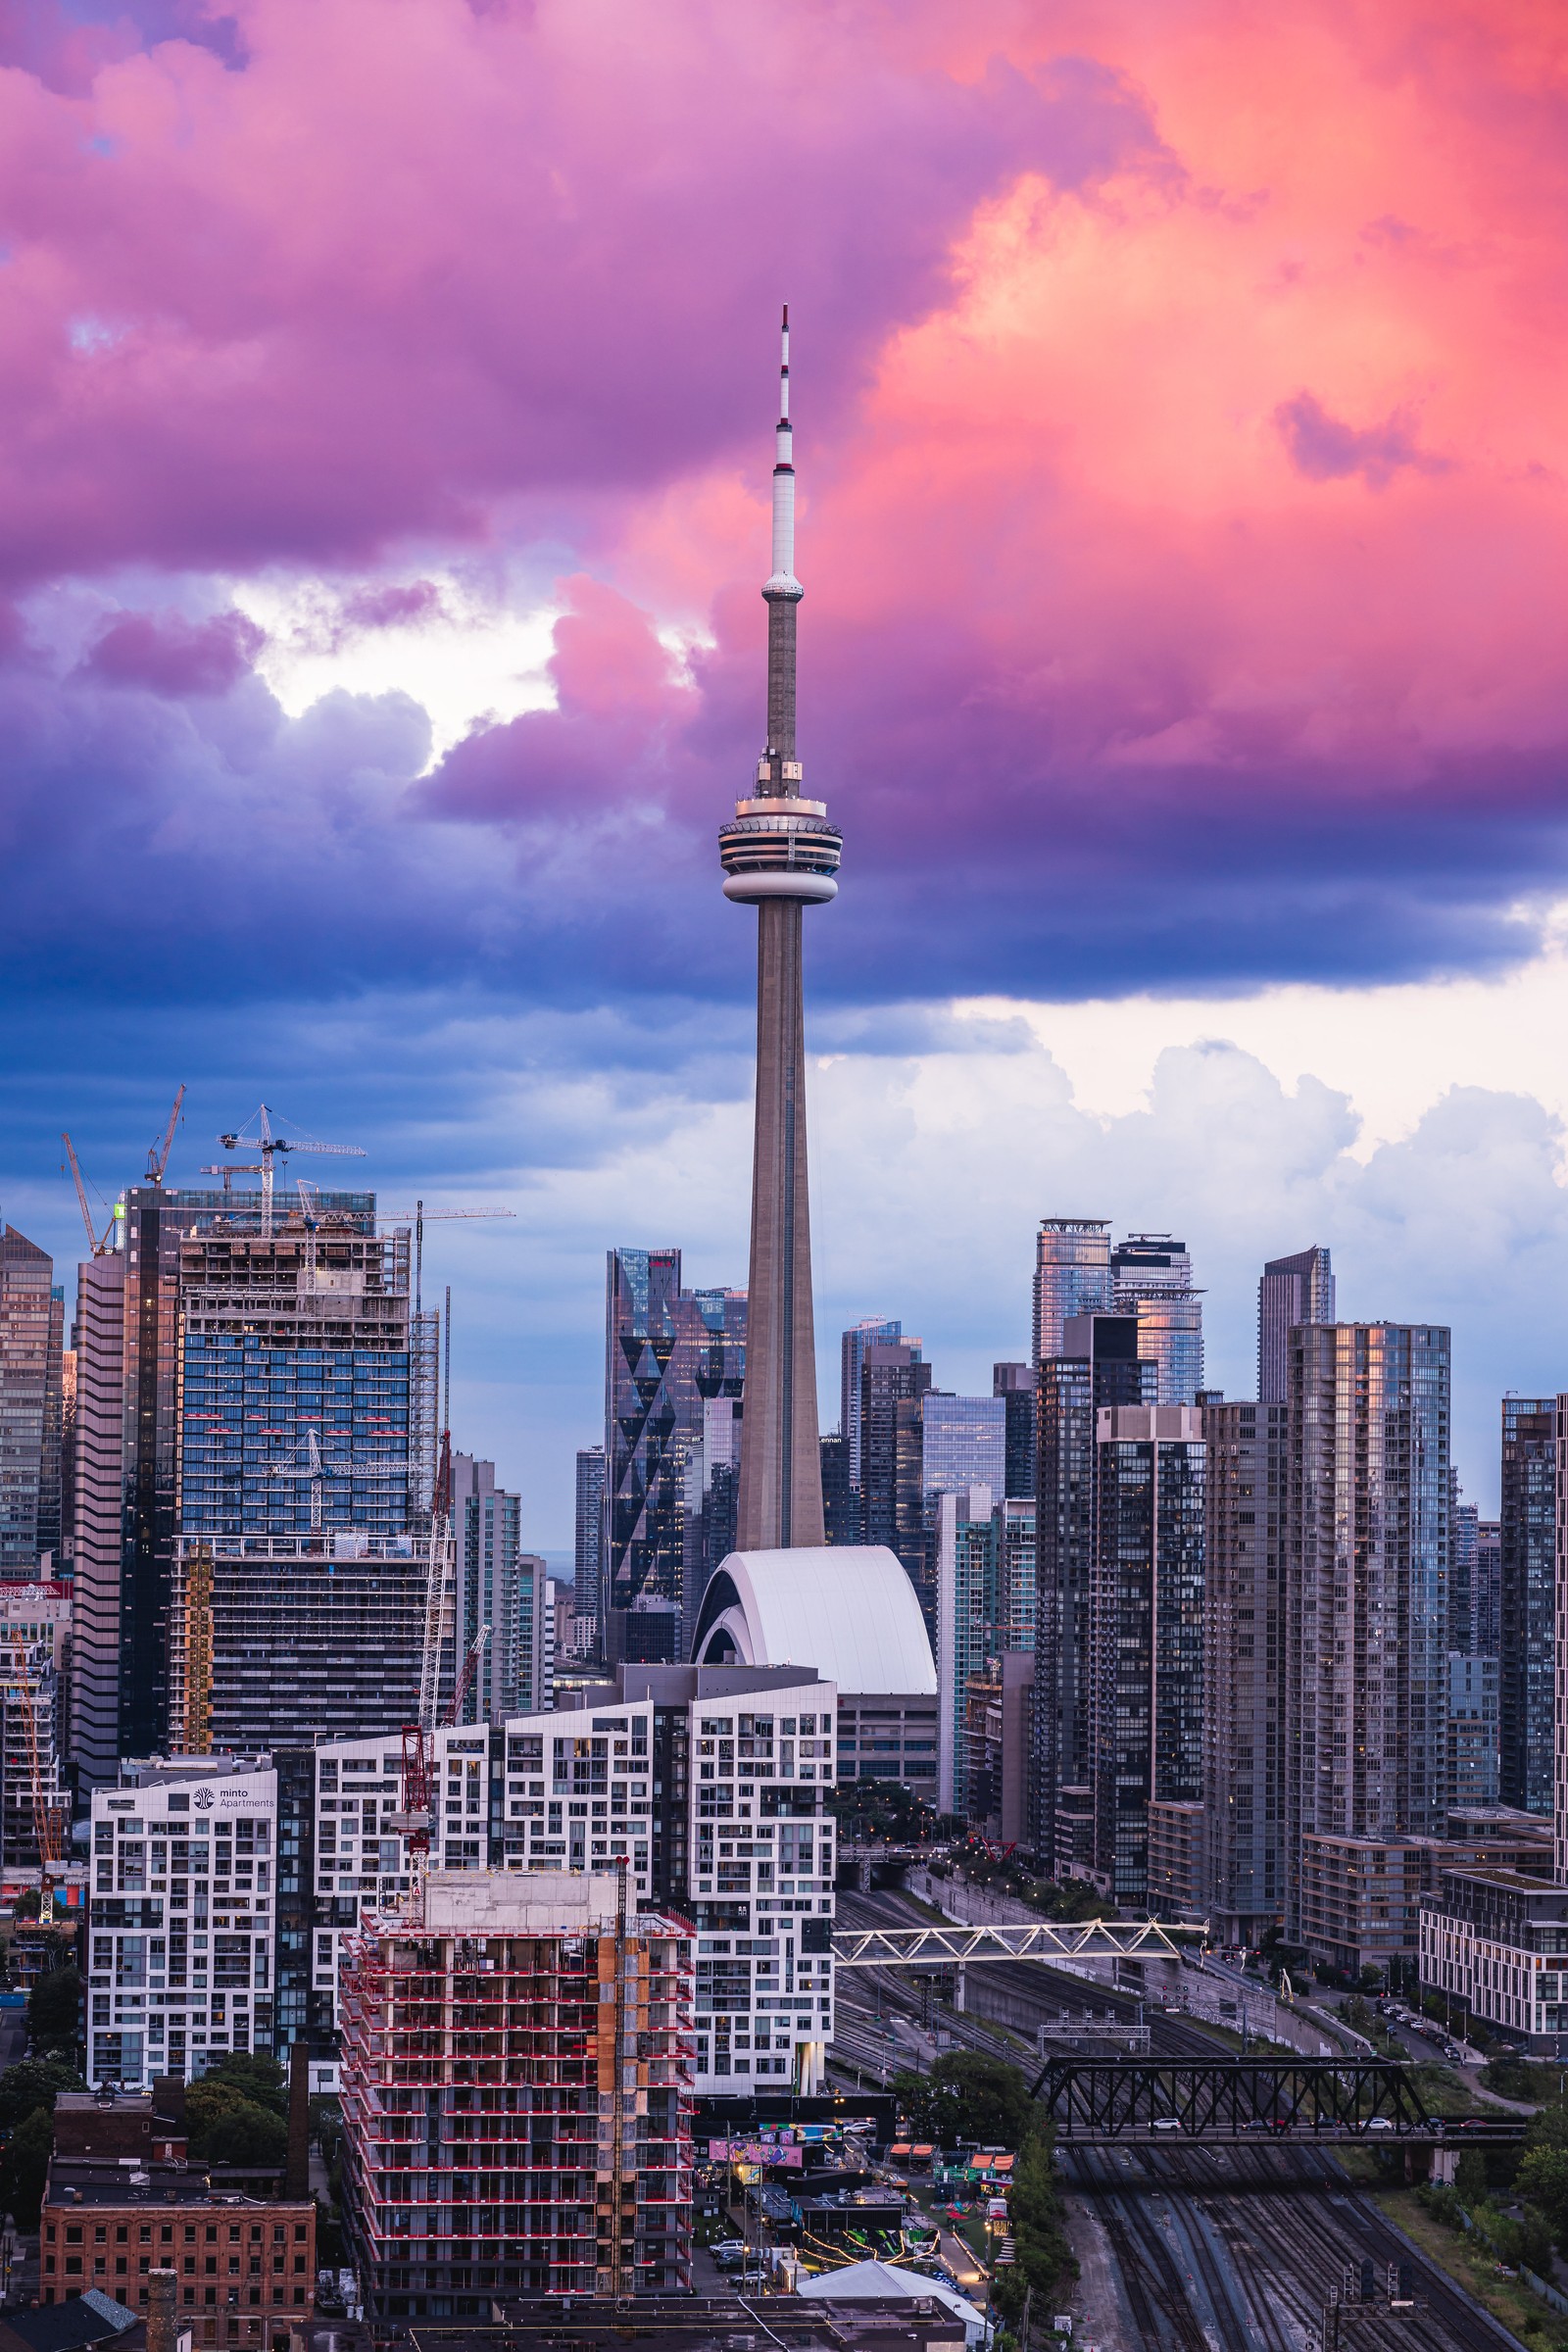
[780, 855]
[666, 1351]
[1366, 1607]
[1151, 1278]
[1528, 1601]
[30, 1318]
[1072, 1276]
[1289, 1290]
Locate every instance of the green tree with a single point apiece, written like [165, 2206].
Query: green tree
[54, 2009]
[1470, 2178]
[227, 2128]
[1044, 2258]
[25, 2167]
[967, 2096]
[257, 2076]
[1543, 2181]
[33, 2083]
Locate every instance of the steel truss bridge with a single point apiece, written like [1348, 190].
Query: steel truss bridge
[948, 1945]
[1107, 2102]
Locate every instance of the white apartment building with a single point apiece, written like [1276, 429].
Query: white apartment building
[182, 1923]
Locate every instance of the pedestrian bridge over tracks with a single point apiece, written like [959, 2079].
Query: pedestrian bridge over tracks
[1111, 2102]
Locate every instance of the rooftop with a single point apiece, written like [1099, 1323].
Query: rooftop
[76, 2181]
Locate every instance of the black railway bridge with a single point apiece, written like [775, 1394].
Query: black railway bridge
[1253, 2101]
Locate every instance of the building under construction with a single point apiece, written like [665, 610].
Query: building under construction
[302, 1562]
[517, 2095]
[34, 1663]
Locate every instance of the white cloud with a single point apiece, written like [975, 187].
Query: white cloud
[470, 655]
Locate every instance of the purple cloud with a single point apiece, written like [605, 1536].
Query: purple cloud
[1326, 450]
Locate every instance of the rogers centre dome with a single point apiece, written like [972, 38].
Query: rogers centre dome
[848, 1610]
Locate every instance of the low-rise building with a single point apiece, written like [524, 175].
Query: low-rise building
[246, 2268]
[114, 2127]
[1361, 1897]
[517, 2095]
[1496, 1943]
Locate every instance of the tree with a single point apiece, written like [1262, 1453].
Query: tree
[54, 2009]
[32, 2084]
[257, 2076]
[967, 2096]
[1543, 2181]
[1470, 2177]
[1044, 2258]
[227, 2128]
[25, 2167]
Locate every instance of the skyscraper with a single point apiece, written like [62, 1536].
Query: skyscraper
[501, 1588]
[1528, 1601]
[29, 1406]
[588, 1556]
[1151, 1278]
[666, 1351]
[1099, 1366]
[1072, 1276]
[1243, 1671]
[1366, 1669]
[872, 1331]
[1145, 1635]
[963, 1442]
[1015, 1384]
[780, 855]
[1289, 1290]
[1464, 1544]
[894, 1380]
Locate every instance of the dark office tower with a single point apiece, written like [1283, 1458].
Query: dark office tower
[1244, 1675]
[780, 855]
[1528, 1601]
[1145, 1631]
[1464, 1543]
[29, 1406]
[1072, 1276]
[874, 1332]
[1289, 1290]
[1151, 1278]
[1016, 1383]
[1489, 1589]
[667, 1350]
[1099, 1366]
[127, 1360]
[712, 1498]
[893, 1382]
[589, 1555]
[1366, 1610]
[840, 1503]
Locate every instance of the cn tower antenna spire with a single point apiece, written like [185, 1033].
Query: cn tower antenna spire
[780, 855]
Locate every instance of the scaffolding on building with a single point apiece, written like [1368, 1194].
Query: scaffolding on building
[518, 2108]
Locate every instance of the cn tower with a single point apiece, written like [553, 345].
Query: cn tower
[780, 855]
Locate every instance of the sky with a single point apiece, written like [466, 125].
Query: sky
[385, 405]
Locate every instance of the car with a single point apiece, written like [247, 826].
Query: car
[1166, 2123]
[1378, 2122]
[1474, 2123]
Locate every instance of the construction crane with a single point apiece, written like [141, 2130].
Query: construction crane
[47, 1817]
[317, 1467]
[417, 1793]
[464, 1682]
[269, 1146]
[96, 1247]
[158, 1153]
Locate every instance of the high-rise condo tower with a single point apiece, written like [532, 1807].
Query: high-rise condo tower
[780, 855]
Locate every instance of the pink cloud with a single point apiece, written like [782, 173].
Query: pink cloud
[173, 657]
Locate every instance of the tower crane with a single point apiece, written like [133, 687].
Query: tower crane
[464, 1682]
[269, 1146]
[96, 1247]
[317, 1467]
[158, 1153]
[417, 1793]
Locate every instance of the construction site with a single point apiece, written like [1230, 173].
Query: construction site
[517, 2089]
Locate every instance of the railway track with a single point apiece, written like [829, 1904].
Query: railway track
[1263, 2237]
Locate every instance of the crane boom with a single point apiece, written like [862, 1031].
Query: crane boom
[96, 1247]
[158, 1153]
[470, 1667]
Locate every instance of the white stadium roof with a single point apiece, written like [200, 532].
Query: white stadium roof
[849, 1610]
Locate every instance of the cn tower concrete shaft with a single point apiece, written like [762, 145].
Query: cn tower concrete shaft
[780, 855]
[780, 1500]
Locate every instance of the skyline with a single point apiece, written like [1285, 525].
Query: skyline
[374, 563]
